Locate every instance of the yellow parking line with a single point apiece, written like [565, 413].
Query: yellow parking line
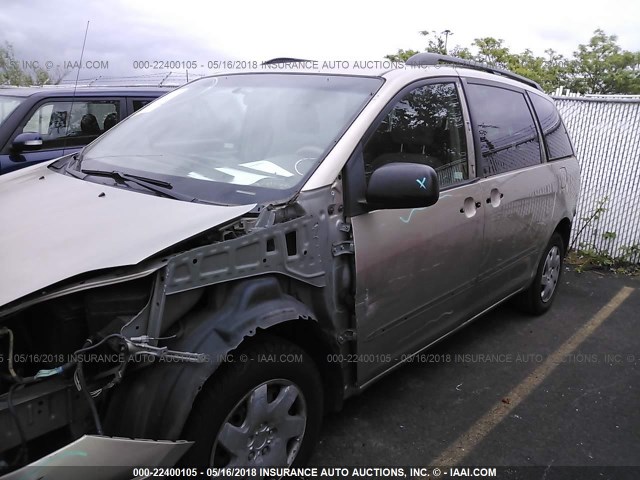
[468, 440]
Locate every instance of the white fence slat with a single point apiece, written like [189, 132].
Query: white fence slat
[605, 130]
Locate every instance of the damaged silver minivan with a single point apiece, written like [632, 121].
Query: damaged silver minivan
[205, 280]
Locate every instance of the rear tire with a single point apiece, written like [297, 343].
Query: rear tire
[538, 298]
[264, 408]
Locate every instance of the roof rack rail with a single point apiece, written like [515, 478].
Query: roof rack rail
[277, 60]
[427, 58]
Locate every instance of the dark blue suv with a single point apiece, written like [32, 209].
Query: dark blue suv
[42, 123]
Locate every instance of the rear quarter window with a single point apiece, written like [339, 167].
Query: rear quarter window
[553, 130]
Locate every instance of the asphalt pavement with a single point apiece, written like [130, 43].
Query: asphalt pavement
[496, 394]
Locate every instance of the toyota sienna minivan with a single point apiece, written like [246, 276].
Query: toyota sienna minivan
[206, 279]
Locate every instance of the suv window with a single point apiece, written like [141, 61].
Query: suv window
[8, 105]
[553, 130]
[60, 126]
[139, 103]
[507, 132]
[426, 127]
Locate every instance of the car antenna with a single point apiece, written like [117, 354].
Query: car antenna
[75, 87]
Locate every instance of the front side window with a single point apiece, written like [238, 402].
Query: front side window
[426, 127]
[553, 130]
[8, 105]
[235, 139]
[62, 124]
[507, 132]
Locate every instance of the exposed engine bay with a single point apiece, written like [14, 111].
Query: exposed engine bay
[60, 357]
[110, 353]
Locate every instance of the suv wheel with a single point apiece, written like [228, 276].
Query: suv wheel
[262, 409]
[538, 298]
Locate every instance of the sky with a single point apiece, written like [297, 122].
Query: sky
[122, 32]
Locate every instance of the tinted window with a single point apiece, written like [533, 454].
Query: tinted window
[138, 104]
[555, 135]
[61, 126]
[426, 127]
[506, 129]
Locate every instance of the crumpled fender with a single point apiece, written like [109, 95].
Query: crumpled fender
[155, 402]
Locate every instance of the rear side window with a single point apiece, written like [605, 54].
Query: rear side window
[139, 103]
[505, 126]
[555, 135]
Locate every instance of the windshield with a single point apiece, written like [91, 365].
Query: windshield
[8, 105]
[235, 139]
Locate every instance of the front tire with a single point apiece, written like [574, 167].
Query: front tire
[538, 298]
[262, 409]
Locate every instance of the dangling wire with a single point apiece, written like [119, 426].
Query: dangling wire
[23, 451]
[80, 380]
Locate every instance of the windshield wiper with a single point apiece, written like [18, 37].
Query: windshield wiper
[155, 185]
[73, 172]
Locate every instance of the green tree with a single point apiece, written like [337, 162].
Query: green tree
[401, 55]
[11, 72]
[601, 66]
[435, 44]
[461, 52]
[493, 52]
[556, 71]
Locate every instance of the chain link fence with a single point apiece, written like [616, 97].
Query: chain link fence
[606, 135]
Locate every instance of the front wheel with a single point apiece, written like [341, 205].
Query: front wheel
[537, 299]
[262, 409]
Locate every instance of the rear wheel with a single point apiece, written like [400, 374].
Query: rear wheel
[262, 409]
[538, 298]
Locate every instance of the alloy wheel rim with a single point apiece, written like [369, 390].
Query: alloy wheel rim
[550, 274]
[265, 428]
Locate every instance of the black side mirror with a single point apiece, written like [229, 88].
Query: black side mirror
[26, 142]
[403, 185]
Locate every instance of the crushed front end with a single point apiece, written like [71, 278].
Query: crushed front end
[61, 352]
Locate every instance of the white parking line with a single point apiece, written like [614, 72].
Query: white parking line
[468, 440]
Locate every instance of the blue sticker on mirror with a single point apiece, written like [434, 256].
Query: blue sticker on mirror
[422, 182]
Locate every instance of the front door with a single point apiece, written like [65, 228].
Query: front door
[415, 268]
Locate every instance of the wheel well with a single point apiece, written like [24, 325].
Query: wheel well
[310, 337]
[564, 229]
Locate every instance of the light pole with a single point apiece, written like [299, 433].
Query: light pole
[446, 34]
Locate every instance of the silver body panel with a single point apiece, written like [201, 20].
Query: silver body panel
[421, 273]
[518, 225]
[415, 273]
[55, 227]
